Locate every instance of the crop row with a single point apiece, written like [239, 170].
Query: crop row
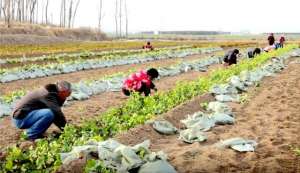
[44, 157]
[35, 71]
[19, 50]
[85, 89]
[84, 55]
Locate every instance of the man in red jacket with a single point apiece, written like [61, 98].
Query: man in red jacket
[40, 108]
[148, 46]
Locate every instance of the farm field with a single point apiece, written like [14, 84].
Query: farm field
[137, 86]
[262, 95]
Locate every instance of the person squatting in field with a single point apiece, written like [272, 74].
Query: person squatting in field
[253, 52]
[231, 57]
[37, 110]
[140, 82]
[148, 46]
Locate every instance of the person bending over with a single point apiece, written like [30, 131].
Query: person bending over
[140, 82]
[37, 110]
[231, 57]
[148, 46]
[254, 52]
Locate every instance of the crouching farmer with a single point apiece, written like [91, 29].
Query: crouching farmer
[140, 82]
[40, 108]
[253, 52]
[230, 57]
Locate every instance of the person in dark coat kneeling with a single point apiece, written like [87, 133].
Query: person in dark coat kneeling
[37, 110]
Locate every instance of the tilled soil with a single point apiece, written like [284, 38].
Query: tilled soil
[29, 84]
[271, 117]
[80, 111]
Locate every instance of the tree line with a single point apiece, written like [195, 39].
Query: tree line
[37, 12]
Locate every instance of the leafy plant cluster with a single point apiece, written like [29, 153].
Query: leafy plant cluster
[45, 156]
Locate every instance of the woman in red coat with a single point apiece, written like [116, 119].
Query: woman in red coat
[140, 82]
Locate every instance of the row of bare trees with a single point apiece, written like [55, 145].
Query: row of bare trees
[121, 14]
[68, 12]
[37, 12]
[22, 11]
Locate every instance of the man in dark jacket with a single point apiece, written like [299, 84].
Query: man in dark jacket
[271, 39]
[253, 52]
[231, 57]
[40, 108]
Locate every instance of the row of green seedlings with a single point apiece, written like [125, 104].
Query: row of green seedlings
[44, 157]
[85, 55]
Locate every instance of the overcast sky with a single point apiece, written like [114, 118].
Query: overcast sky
[226, 15]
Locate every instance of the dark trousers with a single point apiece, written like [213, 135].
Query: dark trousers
[144, 89]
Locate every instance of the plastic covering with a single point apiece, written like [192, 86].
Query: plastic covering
[122, 158]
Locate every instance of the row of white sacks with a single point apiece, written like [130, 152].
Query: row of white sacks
[220, 113]
[237, 84]
[84, 90]
[36, 71]
[80, 55]
[121, 158]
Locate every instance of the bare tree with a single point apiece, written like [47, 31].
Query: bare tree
[62, 13]
[75, 12]
[120, 18]
[70, 14]
[126, 18]
[7, 13]
[19, 11]
[100, 15]
[116, 18]
[36, 13]
[12, 9]
[46, 11]
[0, 9]
[32, 10]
